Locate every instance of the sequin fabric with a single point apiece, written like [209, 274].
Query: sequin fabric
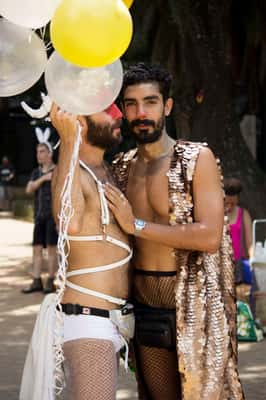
[205, 297]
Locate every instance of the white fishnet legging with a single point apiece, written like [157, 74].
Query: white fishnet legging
[91, 369]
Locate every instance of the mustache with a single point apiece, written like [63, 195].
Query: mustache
[145, 122]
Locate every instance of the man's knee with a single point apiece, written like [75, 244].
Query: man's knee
[37, 251]
[51, 250]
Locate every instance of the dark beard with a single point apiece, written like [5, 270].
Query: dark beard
[102, 135]
[144, 136]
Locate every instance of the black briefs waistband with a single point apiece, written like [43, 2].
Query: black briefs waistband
[154, 273]
[77, 309]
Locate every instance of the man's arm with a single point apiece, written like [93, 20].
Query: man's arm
[204, 234]
[247, 225]
[66, 126]
[35, 184]
[11, 175]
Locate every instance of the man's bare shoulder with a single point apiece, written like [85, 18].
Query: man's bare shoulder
[207, 170]
[205, 153]
[124, 156]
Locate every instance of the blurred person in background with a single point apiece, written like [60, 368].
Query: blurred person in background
[239, 219]
[45, 234]
[7, 174]
[240, 224]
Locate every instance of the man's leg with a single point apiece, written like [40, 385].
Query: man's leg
[156, 369]
[6, 198]
[157, 374]
[91, 369]
[52, 268]
[37, 257]
[37, 261]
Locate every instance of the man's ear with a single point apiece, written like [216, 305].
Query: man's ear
[84, 125]
[168, 106]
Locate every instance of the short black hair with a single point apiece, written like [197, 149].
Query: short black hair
[146, 73]
[232, 186]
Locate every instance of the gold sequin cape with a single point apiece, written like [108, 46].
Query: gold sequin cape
[205, 294]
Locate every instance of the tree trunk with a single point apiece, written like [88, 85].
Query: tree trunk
[192, 39]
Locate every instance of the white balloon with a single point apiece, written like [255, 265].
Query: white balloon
[82, 91]
[22, 58]
[29, 13]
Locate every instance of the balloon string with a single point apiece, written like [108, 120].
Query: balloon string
[43, 30]
[48, 46]
[63, 247]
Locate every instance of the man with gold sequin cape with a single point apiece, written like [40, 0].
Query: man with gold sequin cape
[185, 343]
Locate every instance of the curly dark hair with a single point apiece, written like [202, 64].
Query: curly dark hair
[232, 186]
[146, 73]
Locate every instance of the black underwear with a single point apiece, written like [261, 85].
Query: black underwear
[154, 273]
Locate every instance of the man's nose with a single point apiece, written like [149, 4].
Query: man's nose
[114, 111]
[141, 113]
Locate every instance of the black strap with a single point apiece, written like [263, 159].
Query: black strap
[76, 309]
[154, 273]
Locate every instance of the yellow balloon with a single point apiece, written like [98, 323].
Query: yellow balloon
[91, 33]
[128, 3]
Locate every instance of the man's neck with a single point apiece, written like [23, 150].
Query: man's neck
[46, 166]
[91, 155]
[158, 149]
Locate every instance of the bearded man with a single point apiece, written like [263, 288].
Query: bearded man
[185, 342]
[97, 277]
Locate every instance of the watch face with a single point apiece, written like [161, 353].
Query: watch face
[139, 224]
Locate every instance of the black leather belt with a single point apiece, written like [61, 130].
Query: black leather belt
[77, 309]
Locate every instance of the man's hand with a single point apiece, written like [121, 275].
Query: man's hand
[66, 124]
[9, 177]
[47, 177]
[121, 208]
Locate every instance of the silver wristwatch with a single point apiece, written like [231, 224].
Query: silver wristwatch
[139, 225]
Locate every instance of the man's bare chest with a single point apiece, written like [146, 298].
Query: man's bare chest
[147, 189]
[93, 190]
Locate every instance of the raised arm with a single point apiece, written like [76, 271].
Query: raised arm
[66, 126]
[204, 234]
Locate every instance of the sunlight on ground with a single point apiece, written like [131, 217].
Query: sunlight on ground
[245, 346]
[256, 368]
[14, 252]
[8, 280]
[250, 377]
[28, 310]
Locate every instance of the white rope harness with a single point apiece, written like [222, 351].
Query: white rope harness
[105, 219]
